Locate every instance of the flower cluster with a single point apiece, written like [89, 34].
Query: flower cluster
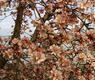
[62, 46]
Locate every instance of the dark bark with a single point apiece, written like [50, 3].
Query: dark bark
[18, 22]
[2, 61]
[16, 34]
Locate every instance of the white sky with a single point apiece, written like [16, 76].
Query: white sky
[6, 26]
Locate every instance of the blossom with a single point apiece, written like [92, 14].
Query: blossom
[2, 74]
[82, 56]
[82, 78]
[93, 64]
[43, 34]
[15, 41]
[10, 52]
[91, 34]
[40, 57]
[1, 46]
[63, 62]
[25, 41]
[55, 49]
[1, 2]
[59, 0]
[49, 7]
[58, 11]
[90, 57]
[37, 57]
[91, 77]
[59, 19]
[37, 21]
[29, 51]
[56, 74]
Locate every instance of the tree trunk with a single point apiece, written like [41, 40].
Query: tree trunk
[18, 22]
[16, 34]
[2, 61]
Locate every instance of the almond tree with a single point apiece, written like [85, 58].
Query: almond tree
[62, 46]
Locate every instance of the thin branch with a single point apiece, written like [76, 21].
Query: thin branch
[37, 12]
